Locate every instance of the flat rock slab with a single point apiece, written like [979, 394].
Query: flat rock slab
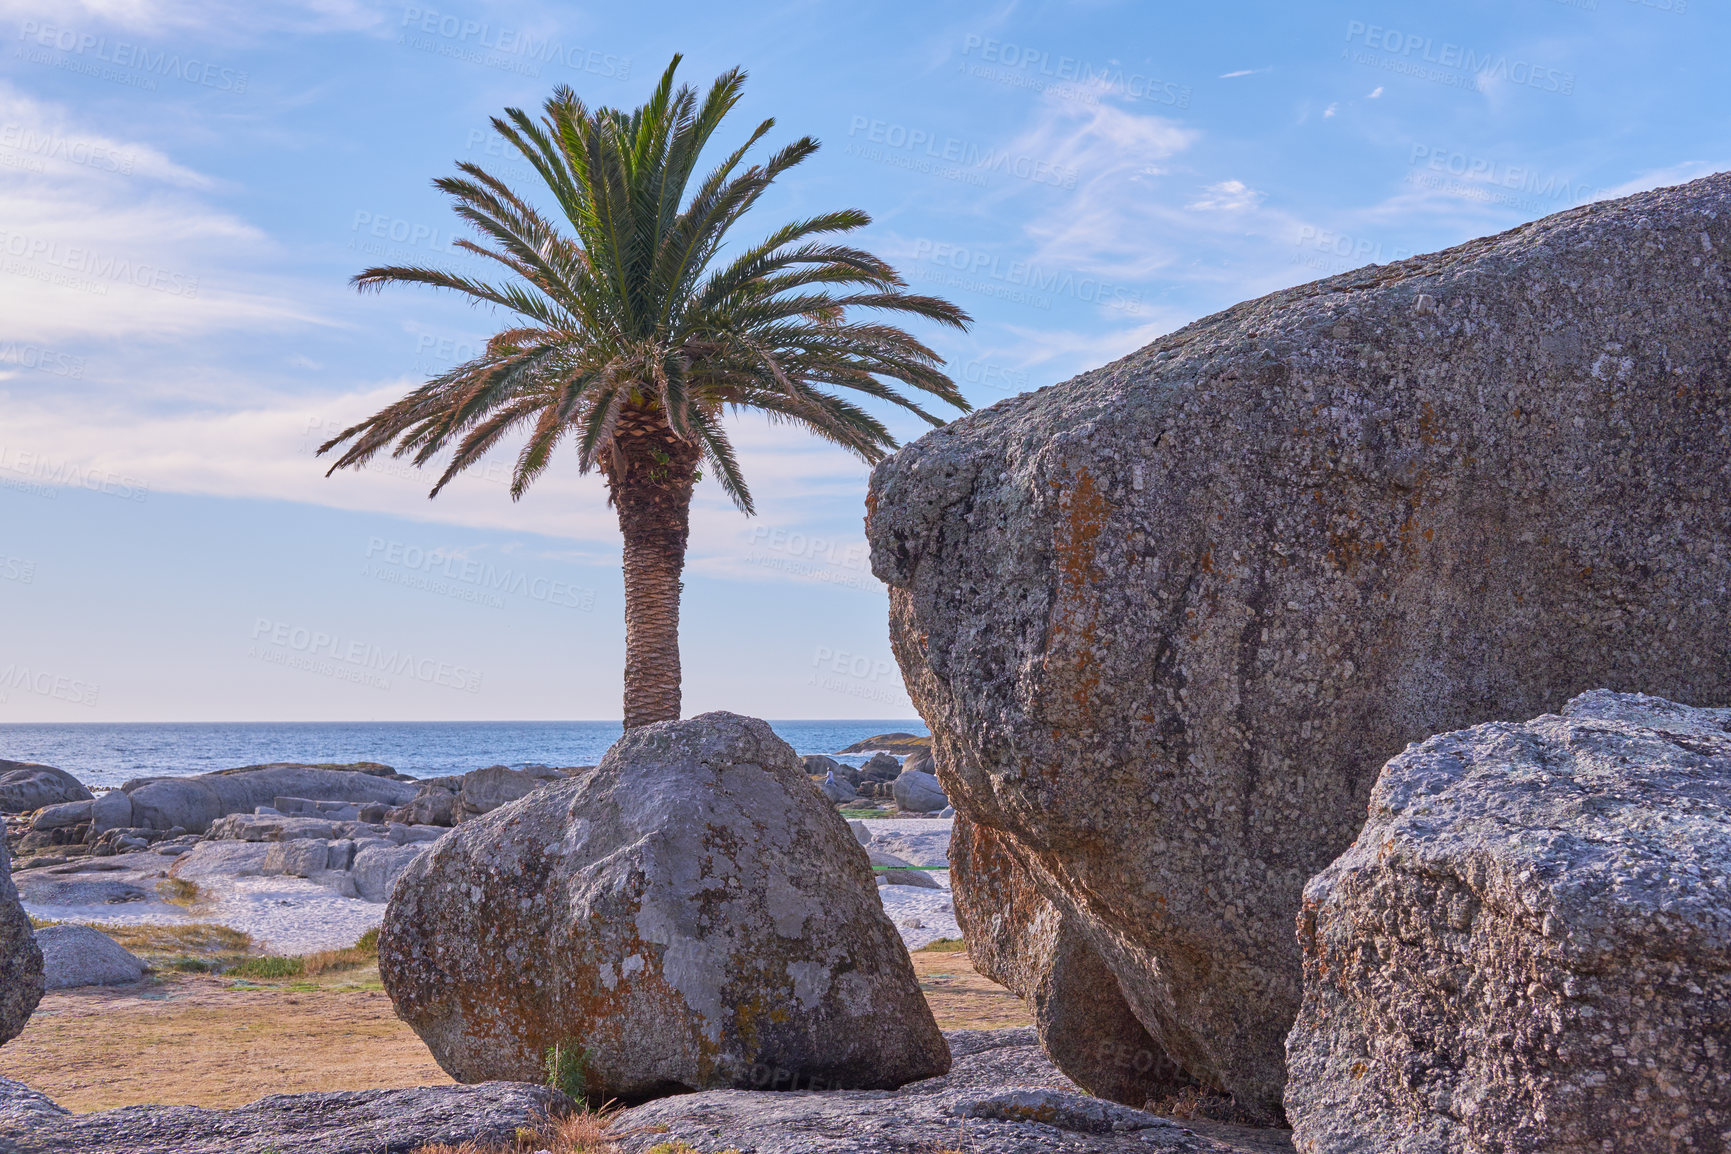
[366, 1122]
[1001, 1095]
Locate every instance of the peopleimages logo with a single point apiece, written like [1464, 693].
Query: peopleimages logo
[316, 651]
[97, 50]
[1022, 275]
[930, 145]
[428, 569]
[1033, 68]
[470, 39]
[1413, 51]
[22, 679]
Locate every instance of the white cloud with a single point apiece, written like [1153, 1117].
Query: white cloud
[1375, 93]
[1245, 72]
[227, 19]
[1227, 196]
[109, 239]
[1330, 110]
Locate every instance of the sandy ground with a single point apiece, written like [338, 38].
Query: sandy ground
[207, 1041]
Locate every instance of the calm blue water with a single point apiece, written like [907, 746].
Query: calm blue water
[108, 754]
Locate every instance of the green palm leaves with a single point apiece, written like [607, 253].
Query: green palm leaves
[635, 308]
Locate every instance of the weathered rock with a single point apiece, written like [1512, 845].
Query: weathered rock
[111, 810]
[1001, 1097]
[920, 761]
[26, 786]
[1022, 941]
[817, 765]
[363, 1122]
[485, 790]
[20, 958]
[193, 803]
[837, 791]
[888, 742]
[1167, 619]
[881, 767]
[218, 859]
[434, 805]
[687, 911]
[919, 792]
[379, 865]
[301, 858]
[74, 955]
[66, 813]
[1529, 945]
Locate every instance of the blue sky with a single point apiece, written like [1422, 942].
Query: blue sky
[185, 189]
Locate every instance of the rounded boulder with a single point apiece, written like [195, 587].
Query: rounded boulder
[688, 915]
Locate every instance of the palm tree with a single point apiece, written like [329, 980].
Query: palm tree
[632, 338]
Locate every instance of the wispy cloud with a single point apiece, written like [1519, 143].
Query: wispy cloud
[1245, 72]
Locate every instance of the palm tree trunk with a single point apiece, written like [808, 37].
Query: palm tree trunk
[651, 480]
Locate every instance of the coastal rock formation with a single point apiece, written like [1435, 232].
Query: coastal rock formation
[80, 956]
[1167, 619]
[1529, 945]
[365, 1122]
[1023, 942]
[20, 959]
[918, 792]
[1002, 1096]
[689, 912]
[193, 803]
[26, 786]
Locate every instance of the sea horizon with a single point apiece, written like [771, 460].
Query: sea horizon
[108, 753]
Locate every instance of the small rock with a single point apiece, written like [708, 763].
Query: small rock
[74, 955]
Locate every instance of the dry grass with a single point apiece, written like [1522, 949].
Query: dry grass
[179, 892]
[275, 967]
[584, 1132]
[200, 947]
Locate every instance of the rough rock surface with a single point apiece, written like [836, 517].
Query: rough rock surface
[26, 786]
[485, 790]
[364, 1122]
[918, 792]
[1529, 945]
[75, 955]
[1025, 943]
[20, 959]
[1002, 1095]
[193, 803]
[1166, 620]
[687, 912]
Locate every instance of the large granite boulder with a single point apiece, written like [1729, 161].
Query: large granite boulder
[485, 790]
[20, 958]
[1023, 942]
[26, 786]
[193, 803]
[361, 1122]
[74, 955]
[1166, 620]
[687, 912]
[1529, 945]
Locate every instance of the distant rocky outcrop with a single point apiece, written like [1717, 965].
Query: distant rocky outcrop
[889, 743]
[74, 955]
[1529, 945]
[193, 803]
[682, 917]
[26, 786]
[20, 958]
[363, 1122]
[1167, 619]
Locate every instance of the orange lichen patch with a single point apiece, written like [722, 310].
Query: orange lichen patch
[1074, 625]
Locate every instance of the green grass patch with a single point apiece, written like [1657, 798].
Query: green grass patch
[270, 968]
[944, 946]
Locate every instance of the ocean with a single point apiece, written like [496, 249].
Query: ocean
[108, 754]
